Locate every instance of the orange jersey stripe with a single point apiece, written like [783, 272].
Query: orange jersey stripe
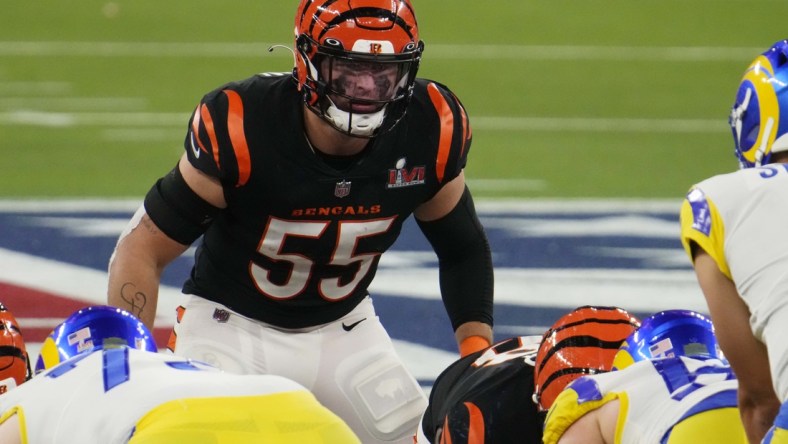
[208, 121]
[447, 128]
[235, 126]
[475, 424]
[466, 127]
[196, 130]
[446, 434]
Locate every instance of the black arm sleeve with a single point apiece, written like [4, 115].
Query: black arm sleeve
[465, 261]
[177, 210]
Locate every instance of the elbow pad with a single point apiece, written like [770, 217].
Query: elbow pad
[177, 210]
[465, 262]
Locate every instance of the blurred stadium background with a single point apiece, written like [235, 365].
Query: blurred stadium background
[599, 98]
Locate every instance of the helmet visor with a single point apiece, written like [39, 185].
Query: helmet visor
[367, 81]
[361, 85]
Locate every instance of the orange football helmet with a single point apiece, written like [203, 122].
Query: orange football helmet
[336, 41]
[582, 342]
[14, 362]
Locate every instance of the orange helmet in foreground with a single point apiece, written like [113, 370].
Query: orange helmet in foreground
[582, 342]
[14, 364]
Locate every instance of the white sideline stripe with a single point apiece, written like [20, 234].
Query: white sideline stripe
[24, 88]
[435, 51]
[39, 322]
[489, 123]
[506, 184]
[69, 205]
[638, 290]
[587, 206]
[62, 119]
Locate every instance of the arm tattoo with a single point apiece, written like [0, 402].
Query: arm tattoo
[149, 225]
[136, 299]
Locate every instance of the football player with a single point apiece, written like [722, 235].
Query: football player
[296, 184]
[100, 380]
[488, 396]
[582, 342]
[14, 362]
[732, 228]
[668, 385]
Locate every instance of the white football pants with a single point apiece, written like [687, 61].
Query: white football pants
[350, 364]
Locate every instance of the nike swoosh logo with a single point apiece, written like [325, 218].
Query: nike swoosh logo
[195, 150]
[353, 325]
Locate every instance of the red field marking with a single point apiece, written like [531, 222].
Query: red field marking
[26, 302]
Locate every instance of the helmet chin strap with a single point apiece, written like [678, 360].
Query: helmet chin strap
[356, 124]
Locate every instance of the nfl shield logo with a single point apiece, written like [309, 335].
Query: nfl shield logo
[342, 189]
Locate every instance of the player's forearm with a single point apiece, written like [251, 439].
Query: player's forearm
[134, 288]
[757, 413]
[465, 262]
[136, 266]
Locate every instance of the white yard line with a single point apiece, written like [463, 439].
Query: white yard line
[436, 51]
[599, 124]
[24, 88]
[37, 101]
[486, 123]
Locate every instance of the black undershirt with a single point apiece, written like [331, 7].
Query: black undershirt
[339, 162]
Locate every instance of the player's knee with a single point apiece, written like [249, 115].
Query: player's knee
[387, 399]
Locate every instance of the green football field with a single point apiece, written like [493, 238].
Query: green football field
[568, 98]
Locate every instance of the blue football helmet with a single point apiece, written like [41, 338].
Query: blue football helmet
[668, 334]
[759, 125]
[98, 326]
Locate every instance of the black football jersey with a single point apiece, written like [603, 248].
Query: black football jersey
[487, 397]
[300, 241]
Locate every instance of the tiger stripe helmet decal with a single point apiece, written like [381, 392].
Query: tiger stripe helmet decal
[14, 363]
[582, 342]
[357, 33]
[352, 18]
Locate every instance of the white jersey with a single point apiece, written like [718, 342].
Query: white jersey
[740, 220]
[99, 397]
[655, 396]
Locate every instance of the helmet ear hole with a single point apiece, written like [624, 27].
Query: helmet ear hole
[303, 44]
[782, 58]
[781, 50]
